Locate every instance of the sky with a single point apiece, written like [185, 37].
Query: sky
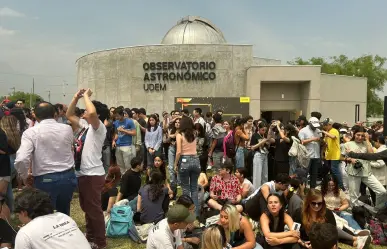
[41, 40]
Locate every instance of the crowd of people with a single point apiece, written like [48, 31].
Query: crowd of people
[240, 172]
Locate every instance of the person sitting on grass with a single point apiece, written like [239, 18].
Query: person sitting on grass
[214, 237]
[159, 164]
[239, 231]
[110, 191]
[323, 236]
[190, 235]
[247, 187]
[273, 222]
[131, 181]
[152, 200]
[166, 234]
[225, 188]
[44, 229]
[7, 234]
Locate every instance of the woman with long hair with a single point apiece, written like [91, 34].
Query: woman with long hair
[173, 130]
[159, 164]
[282, 137]
[316, 211]
[273, 222]
[359, 170]
[110, 191]
[336, 200]
[201, 146]
[21, 118]
[239, 232]
[259, 144]
[153, 138]
[240, 139]
[153, 200]
[214, 237]
[9, 125]
[187, 163]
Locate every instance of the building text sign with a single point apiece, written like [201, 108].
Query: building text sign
[157, 72]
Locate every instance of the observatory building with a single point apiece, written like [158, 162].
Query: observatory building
[194, 66]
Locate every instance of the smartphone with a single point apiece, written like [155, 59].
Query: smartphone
[296, 226]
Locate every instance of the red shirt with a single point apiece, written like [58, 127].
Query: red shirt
[225, 189]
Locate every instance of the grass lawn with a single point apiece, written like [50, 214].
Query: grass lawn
[125, 243]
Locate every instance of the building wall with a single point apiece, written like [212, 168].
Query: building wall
[280, 96]
[117, 75]
[286, 74]
[340, 94]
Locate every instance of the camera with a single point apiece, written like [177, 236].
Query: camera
[357, 165]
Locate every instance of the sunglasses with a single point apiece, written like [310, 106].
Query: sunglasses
[316, 204]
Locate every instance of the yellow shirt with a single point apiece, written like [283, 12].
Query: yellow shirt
[333, 145]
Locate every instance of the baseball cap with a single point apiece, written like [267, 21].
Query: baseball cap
[314, 122]
[328, 121]
[179, 213]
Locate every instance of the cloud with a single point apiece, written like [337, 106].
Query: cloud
[6, 32]
[7, 12]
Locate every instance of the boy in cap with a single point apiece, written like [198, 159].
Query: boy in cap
[166, 234]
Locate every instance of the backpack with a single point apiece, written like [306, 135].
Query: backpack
[121, 221]
[78, 148]
[378, 232]
[299, 151]
[229, 148]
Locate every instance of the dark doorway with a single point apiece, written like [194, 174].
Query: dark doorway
[283, 116]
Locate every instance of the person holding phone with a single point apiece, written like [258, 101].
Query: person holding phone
[273, 222]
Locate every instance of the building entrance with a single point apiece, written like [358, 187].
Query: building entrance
[283, 116]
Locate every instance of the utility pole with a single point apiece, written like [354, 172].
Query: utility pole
[33, 89]
[63, 90]
[49, 96]
[14, 90]
[31, 98]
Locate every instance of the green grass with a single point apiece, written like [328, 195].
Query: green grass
[126, 243]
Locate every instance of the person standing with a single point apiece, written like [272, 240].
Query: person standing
[187, 163]
[333, 150]
[122, 140]
[218, 132]
[310, 137]
[49, 147]
[91, 175]
[153, 139]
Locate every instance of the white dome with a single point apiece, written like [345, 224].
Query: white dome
[194, 30]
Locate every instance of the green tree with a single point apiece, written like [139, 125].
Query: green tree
[369, 66]
[26, 96]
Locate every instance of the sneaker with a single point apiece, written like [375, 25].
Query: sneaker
[363, 242]
[364, 232]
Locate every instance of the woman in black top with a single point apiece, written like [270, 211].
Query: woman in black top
[283, 143]
[7, 234]
[273, 222]
[110, 191]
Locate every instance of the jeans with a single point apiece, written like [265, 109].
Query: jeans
[260, 169]
[106, 156]
[124, 154]
[60, 186]
[189, 171]
[292, 164]
[336, 171]
[90, 188]
[133, 204]
[372, 183]
[314, 165]
[217, 157]
[240, 158]
[172, 174]
[10, 200]
[351, 221]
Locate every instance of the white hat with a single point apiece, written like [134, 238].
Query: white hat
[314, 122]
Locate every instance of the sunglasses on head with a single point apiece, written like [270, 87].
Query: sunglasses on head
[316, 204]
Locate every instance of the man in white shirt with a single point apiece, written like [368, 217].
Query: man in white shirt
[48, 146]
[44, 229]
[166, 234]
[310, 137]
[91, 173]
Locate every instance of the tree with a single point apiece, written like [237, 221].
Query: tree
[26, 96]
[369, 66]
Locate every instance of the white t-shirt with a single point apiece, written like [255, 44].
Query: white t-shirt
[161, 237]
[51, 231]
[251, 186]
[271, 185]
[91, 163]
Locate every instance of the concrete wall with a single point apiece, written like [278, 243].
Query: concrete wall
[340, 94]
[271, 96]
[117, 75]
[285, 74]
